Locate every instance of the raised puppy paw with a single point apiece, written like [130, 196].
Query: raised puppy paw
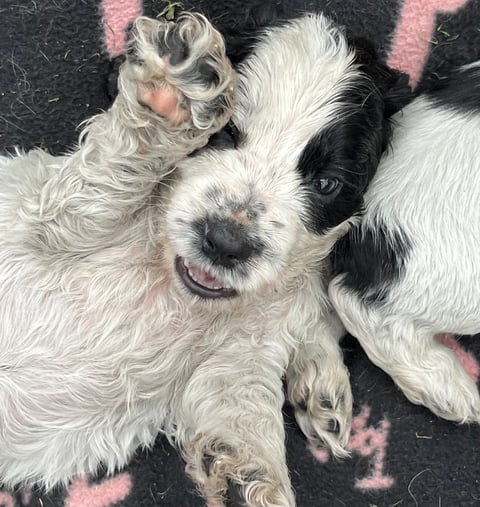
[179, 71]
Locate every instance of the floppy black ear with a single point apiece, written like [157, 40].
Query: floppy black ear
[392, 84]
[398, 93]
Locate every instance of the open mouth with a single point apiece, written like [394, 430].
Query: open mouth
[201, 282]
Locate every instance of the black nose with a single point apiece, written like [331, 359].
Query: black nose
[226, 242]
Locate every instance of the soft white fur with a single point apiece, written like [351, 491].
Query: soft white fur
[427, 190]
[102, 346]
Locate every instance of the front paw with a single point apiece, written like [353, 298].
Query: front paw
[180, 71]
[229, 477]
[323, 408]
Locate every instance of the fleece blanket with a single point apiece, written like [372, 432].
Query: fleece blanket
[58, 61]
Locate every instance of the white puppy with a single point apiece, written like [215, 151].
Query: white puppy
[143, 291]
[411, 268]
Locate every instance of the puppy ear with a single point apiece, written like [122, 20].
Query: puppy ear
[392, 84]
[398, 93]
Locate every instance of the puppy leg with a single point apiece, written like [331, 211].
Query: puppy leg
[175, 90]
[319, 388]
[234, 441]
[427, 372]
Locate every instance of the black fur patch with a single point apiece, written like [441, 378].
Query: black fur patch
[332, 154]
[459, 91]
[371, 260]
[350, 149]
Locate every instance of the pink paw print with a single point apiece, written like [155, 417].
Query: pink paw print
[118, 14]
[83, 493]
[367, 441]
[414, 33]
[107, 493]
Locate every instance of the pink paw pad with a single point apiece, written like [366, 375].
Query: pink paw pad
[164, 101]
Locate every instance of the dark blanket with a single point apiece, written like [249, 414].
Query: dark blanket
[58, 68]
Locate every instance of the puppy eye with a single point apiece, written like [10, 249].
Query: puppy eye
[327, 186]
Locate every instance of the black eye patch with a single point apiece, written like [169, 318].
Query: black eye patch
[335, 167]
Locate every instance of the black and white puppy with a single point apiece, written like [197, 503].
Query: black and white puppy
[411, 268]
[143, 290]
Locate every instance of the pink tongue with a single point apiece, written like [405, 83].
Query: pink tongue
[203, 277]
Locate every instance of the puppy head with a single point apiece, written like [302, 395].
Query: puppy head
[265, 202]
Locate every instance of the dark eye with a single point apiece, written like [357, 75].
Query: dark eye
[327, 186]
